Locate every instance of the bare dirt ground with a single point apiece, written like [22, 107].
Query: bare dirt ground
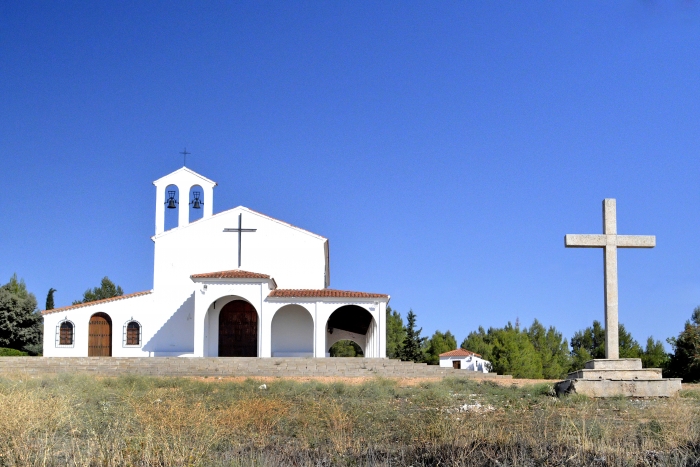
[361, 380]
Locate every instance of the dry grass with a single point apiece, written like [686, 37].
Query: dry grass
[137, 421]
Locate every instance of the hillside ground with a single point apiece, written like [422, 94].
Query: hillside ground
[145, 421]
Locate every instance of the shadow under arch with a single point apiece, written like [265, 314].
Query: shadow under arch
[292, 332]
[232, 327]
[349, 322]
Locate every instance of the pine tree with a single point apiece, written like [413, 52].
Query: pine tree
[20, 324]
[107, 289]
[395, 333]
[437, 344]
[412, 348]
[685, 360]
[655, 355]
[49, 299]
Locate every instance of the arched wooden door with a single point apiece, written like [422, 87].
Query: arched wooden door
[238, 330]
[100, 336]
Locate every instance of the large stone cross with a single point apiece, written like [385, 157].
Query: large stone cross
[610, 241]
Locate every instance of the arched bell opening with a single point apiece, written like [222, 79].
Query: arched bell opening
[353, 323]
[292, 332]
[346, 348]
[100, 335]
[171, 206]
[196, 203]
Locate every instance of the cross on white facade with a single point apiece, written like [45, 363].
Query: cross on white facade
[240, 231]
[610, 241]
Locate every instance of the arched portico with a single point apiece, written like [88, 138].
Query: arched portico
[354, 323]
[232, 328]
[292, 332]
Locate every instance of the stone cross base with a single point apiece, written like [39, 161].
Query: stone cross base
[618, 377]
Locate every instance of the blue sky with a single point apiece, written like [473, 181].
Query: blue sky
[444, 148]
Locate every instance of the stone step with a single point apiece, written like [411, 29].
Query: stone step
[237, 366]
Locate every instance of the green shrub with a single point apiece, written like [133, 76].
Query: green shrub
[11, 353]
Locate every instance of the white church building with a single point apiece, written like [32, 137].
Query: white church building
[236, 283]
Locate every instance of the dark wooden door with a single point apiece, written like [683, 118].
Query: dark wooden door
[100, 336]
[238, 330]
[456, 364]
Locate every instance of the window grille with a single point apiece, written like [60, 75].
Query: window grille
[132, 334]
[65, 334]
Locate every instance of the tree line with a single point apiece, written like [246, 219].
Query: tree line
[528, 352]
[542, 352]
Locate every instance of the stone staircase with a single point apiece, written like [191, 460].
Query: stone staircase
[235, 366]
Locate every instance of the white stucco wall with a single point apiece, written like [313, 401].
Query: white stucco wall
[470, 363]
[292, 332]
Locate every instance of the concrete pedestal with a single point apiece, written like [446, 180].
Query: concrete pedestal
[618, 377]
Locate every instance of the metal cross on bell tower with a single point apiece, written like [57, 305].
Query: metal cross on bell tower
[184, 154]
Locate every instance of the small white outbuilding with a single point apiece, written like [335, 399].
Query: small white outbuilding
[461, 359]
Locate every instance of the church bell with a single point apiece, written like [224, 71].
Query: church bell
[196, 202]
[171, 202]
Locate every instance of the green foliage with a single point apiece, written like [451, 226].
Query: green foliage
[685, 360]
[411, 350]
[552, 348]
[49, 299]
[509, 350]
[395, 333]
[529, 353]
[11, 353]
[346, 348]
[20, 324]
[655, 355]
[439, 343]
[590, 343]
[107, 289]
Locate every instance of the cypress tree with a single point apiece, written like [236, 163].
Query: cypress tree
[49, 299]
[412, 349]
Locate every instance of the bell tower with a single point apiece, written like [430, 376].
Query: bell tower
[184, 179]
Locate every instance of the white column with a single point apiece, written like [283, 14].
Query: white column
[382, 330]
[183, 214]
[208, 195]
[160, 209]
[320, 331]
[200, 314]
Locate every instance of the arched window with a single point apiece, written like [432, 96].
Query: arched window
[132, 334]
[65, 332]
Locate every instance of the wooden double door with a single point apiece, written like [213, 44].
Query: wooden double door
[100, 336]
[238, 330]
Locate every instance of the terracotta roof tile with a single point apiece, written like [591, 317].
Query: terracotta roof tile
[459, 353]
[97, 302]
[299, 293]
[233, 274]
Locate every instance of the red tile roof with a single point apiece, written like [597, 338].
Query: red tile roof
[298, 293]
[97, 302]
[459, 353]
[233, 274]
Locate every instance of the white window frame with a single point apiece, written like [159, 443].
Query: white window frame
[124, 344]
[58, 335]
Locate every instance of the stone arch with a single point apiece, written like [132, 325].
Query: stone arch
[352, 322]
[196, 203]
[292, 332]
[171, 207]
[100, 335]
